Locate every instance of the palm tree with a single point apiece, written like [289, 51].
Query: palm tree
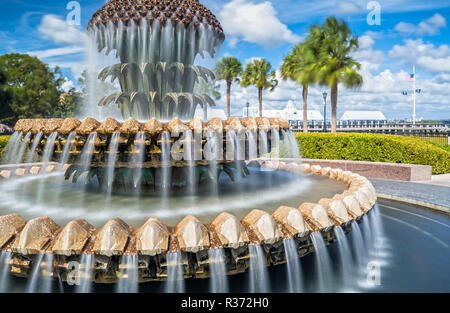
[259, 73]
[335, 64]
[298, 66]
[228, 69]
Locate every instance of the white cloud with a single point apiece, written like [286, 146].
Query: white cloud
[67, 85]
[57, 30]
[365, 53]
[346, 7]
[425, 55]
[256, 23]
[42, 54]
[428, 27]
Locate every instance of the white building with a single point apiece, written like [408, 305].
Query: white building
[289, 113]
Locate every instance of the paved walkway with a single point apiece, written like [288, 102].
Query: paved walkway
[434, 194]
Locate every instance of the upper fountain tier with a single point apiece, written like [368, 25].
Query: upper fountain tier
[157, 42]
[164, 21]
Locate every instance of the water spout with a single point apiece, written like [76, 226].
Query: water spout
[175, 273]
[129, 274]
[5, 258]
[85, 272]
[218, 271]
[258, 270]
[32, 153]
[345, 255]
[294, 272]
[323, 263]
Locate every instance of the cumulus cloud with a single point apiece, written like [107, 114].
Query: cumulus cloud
[346, 7]
[57, 52]
[366, 53]
[426, 55]
[429, 26]
[67, 85]
[57, 30]
[256, 23]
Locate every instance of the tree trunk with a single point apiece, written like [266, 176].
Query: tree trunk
[228, 98]
[334, 99]
[305, 108]
[260, 92]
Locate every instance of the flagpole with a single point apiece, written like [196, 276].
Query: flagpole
[414, 94]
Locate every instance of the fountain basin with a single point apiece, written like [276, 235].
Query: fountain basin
[152, 241]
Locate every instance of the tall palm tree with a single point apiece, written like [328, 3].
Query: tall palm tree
[228, 69]
[298, 66]
[259, 73]
[335, 64]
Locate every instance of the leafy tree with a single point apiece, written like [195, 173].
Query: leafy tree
[298, 66]
[335, 64]
[5, 100]
[34, 88]
[259, 74]
[228, 69]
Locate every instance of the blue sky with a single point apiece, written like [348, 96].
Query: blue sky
[411, 32]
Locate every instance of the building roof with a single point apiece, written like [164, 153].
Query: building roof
[290, 112]
[363, 116]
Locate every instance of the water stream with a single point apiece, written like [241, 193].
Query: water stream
[218, 271]
[294, 271]
[323, 263]
[258, 270]
[129, 275]
[175, 273]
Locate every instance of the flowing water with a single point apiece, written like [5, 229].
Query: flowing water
[323, 263]
[31, 157]
[175, 273]
[11, 148]
[359, 248]
[22, 148]
[218, 271]
[35, 274]
[345, 256]
[87, 152]
[85, 274]
[259, 281]
[165, 160]
[5, 258]
[111, 163]
[129, 275]
[66, 150]
[138, 159]
[294, 271]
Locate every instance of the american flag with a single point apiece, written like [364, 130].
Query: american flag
[410, 78]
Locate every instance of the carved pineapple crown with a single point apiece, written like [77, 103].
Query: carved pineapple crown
[189, 12]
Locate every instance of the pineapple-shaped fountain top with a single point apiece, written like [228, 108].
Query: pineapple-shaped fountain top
[157, 42]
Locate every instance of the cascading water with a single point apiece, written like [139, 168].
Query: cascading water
[188, 156]
[294, 271]
[175, 273]
[48, 149]
[262, 143]
[87, 152]
[258, 270]
[252, 146]
[35, 274]
[345, 255]
[166, 170]
[218, 271]
[111, 165]
[293, 147]
[323, 263]
[138, 159]
[47, 280]
[22, 148]
[32, 152]
[5, 258]
[66, 150]
[11, 148]
[359, 248]
[129, 275]
[85, 272]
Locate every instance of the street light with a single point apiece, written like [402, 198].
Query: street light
[247, 107]
[324, 111]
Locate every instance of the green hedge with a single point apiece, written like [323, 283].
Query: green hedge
[373, 147]
[3, 142]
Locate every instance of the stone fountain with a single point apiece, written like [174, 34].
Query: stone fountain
[159, 145]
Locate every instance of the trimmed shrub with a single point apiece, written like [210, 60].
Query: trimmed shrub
[373, 147]
[3, 142]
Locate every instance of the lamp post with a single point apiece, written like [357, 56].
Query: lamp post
[324, 94]
[247, 107]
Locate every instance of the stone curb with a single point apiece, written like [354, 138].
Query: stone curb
[427, 205]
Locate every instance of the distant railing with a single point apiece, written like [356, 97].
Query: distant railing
[435, 132]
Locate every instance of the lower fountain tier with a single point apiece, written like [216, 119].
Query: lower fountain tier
[153, 144]
[153, 241]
